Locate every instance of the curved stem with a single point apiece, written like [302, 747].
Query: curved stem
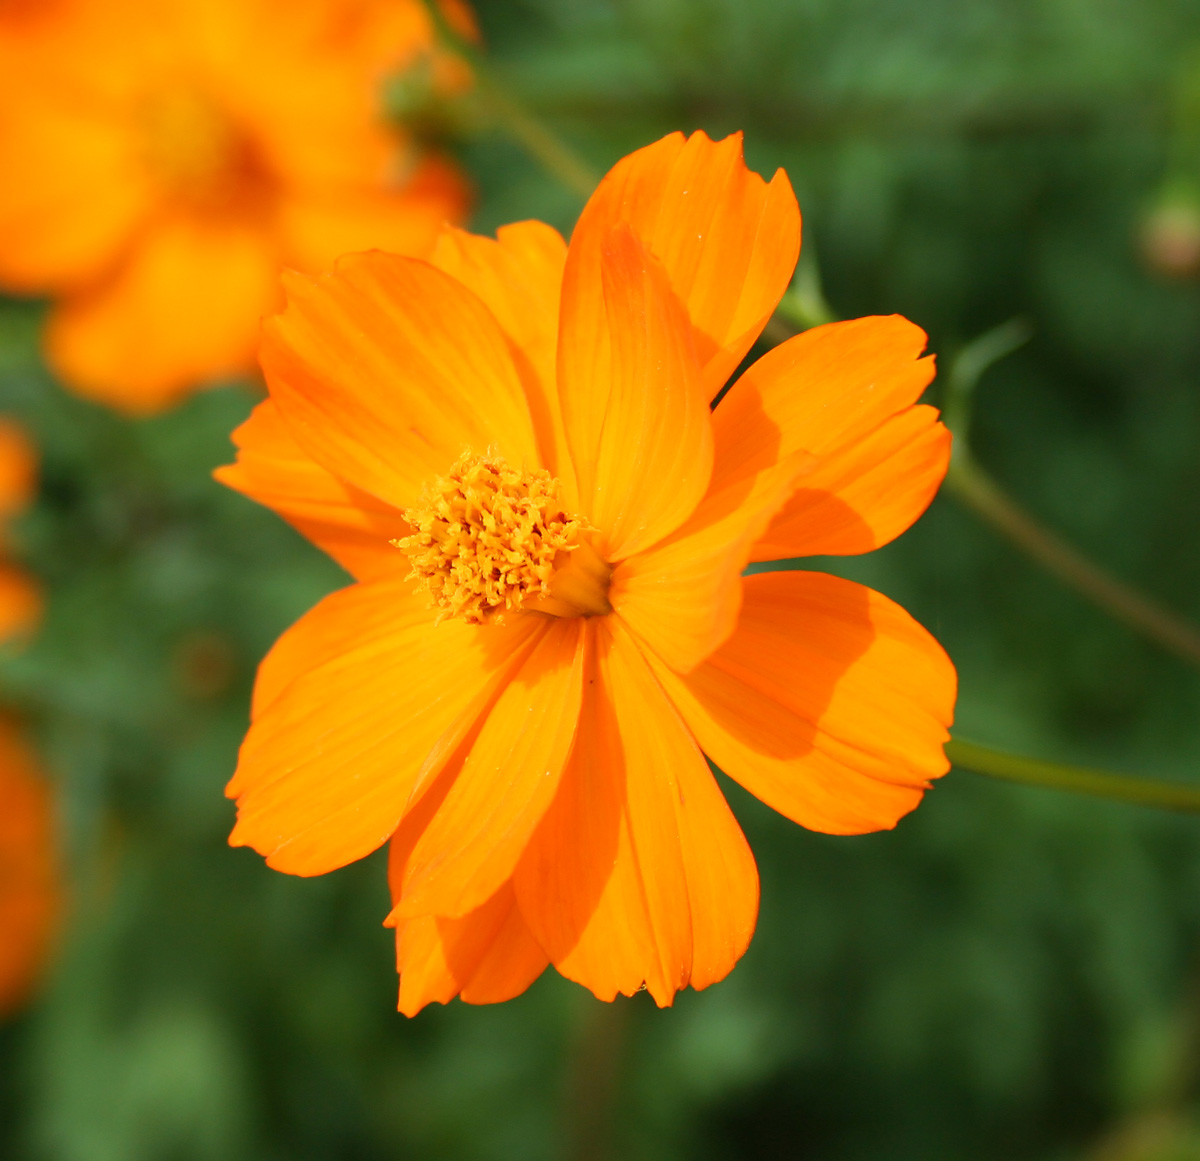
[968, 366]
[1077, 779]
[523, 126]
[594, 1080]
[971, 485]
[976, 490]
[536, 138]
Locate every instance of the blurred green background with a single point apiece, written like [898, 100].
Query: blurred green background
[1013, 973]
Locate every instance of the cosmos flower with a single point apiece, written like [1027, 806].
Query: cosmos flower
[164, 158]
[512, 449]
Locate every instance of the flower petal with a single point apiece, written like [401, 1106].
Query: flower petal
[487, 956]
[348, 523]
[682, 597]
[81, 192]
[29, 888]
[643, 456]
[845, 393]
[682, 829]
[578, 884]
[20, 602]
[343, 621]
[18, 469]
[866, 494]
[507, 780]
[830, 703]
[518, 275]
[386, 35]
[727, 239]
[639, 870]
[353, 702]
[182, 309]
[387, 369]
[320, 224]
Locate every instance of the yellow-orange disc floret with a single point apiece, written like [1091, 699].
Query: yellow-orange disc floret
[488, 538]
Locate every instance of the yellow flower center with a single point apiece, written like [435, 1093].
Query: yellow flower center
[488, 539]
[199, 154]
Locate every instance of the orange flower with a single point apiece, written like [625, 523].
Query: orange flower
[20, 599]
[512, 450]
[28, 890]
[165, 157]
[28, 875]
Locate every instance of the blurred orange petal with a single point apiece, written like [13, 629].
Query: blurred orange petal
[20, 602]
[80, 200]
[18, 469]
[29, 887]
[20, 595]
[173, 157]
[184, 308]
[320, 225]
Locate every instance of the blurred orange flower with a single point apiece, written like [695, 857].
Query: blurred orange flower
[166, 157]
[512, 449]
[28, 881]
[28, 875]
[20, 598]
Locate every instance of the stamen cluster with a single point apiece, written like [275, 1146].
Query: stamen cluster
[486, 537]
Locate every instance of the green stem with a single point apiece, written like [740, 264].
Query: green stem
[977, 491]
[522, 125]
[1077, 779]
[536, 138]
[971, 485]
[594, 1080]
[968, 366]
